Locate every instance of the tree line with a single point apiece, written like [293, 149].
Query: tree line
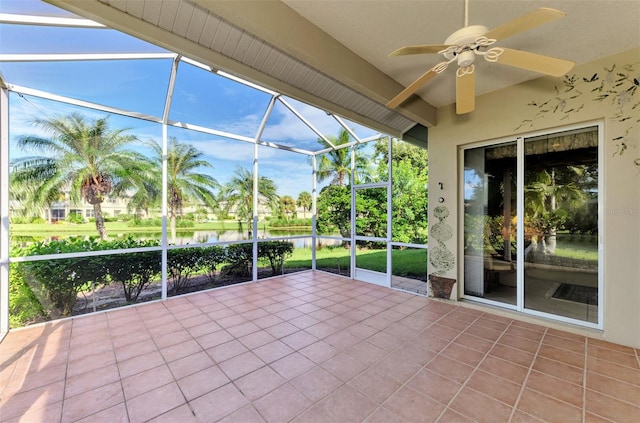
[90, 161]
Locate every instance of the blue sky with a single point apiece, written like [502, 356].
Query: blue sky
[200, 98]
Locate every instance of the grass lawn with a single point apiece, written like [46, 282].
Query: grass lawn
[112, 227]
[582, 247]
[407, 262]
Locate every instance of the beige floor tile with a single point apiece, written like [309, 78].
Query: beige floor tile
[191, 364]
[495, 387]
[259, 383]
[316, 383]
[548, 408]
[282, 404]
[90, 362]
[246, 414]
[31, 401]
[115, 414]
[87, 381]
[555, 388]
[91, 402]
[181, 350]
[217, 404]
[435, 386]
[292, 365]
[347, 405]
[182, 414]
[224, 352]
[610, 408]
[146, 381]
[140, 363]
[154, 403]
[479, 407]
[374, 385]
[202, 382]
[241, 365]
[413, 406]
[319, 352]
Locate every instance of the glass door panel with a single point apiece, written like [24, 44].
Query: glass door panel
[370, 234]
[490, 265]
[371, 212]
[561, 224]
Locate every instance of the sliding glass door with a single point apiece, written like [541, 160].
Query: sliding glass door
[561, 224]
[531, 225]
[490, 250]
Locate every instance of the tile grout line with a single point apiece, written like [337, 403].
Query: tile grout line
[584, 380]
[124, 398]
[66, 371]
[404, 384]
[464, 384]
[524, 382]
[345, 383]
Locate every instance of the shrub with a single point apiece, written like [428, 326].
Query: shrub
[135, 271]
[181, 264]
[137, 223]
[275, 252]
[240, 259]
[185, 223]
[75, 218]
[124, 217]
[212, 257]
[222, 215]
[37, 219]
[64, 278]
[279, 223]
[24, 306]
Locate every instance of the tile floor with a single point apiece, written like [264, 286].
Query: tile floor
[311, 347]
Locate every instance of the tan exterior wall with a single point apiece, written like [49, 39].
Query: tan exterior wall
[545, 104]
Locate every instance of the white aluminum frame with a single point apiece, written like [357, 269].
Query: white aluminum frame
[6, 87]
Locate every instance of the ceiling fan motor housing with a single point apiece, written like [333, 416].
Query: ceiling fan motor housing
[463, 38]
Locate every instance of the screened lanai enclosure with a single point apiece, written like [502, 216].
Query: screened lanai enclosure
[131, 173]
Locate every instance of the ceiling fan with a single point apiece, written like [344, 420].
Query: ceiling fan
[476, 40]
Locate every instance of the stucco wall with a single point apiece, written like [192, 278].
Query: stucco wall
[606, 91]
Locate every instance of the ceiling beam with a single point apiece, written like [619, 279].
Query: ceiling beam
[279, 25]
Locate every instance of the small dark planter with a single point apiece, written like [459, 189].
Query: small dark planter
[441, 286]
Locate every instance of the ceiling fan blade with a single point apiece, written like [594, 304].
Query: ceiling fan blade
[404, 94]
[465, 90]
[535, 62]
[425, 49]
[525, 22]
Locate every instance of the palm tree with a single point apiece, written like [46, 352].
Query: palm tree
[238, 194]
[336, 164]
[305, 201]
[84, 157]
[185, 184]
[287, 206]
[549, 198]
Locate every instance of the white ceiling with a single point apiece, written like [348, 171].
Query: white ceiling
[372, 29]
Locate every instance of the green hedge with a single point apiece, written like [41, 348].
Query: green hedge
[39, 287]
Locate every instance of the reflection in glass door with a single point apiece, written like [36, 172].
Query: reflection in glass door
[531, 225]
[489, 222]
[561, 224]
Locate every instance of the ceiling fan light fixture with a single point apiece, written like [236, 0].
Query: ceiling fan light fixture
[466, 58]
